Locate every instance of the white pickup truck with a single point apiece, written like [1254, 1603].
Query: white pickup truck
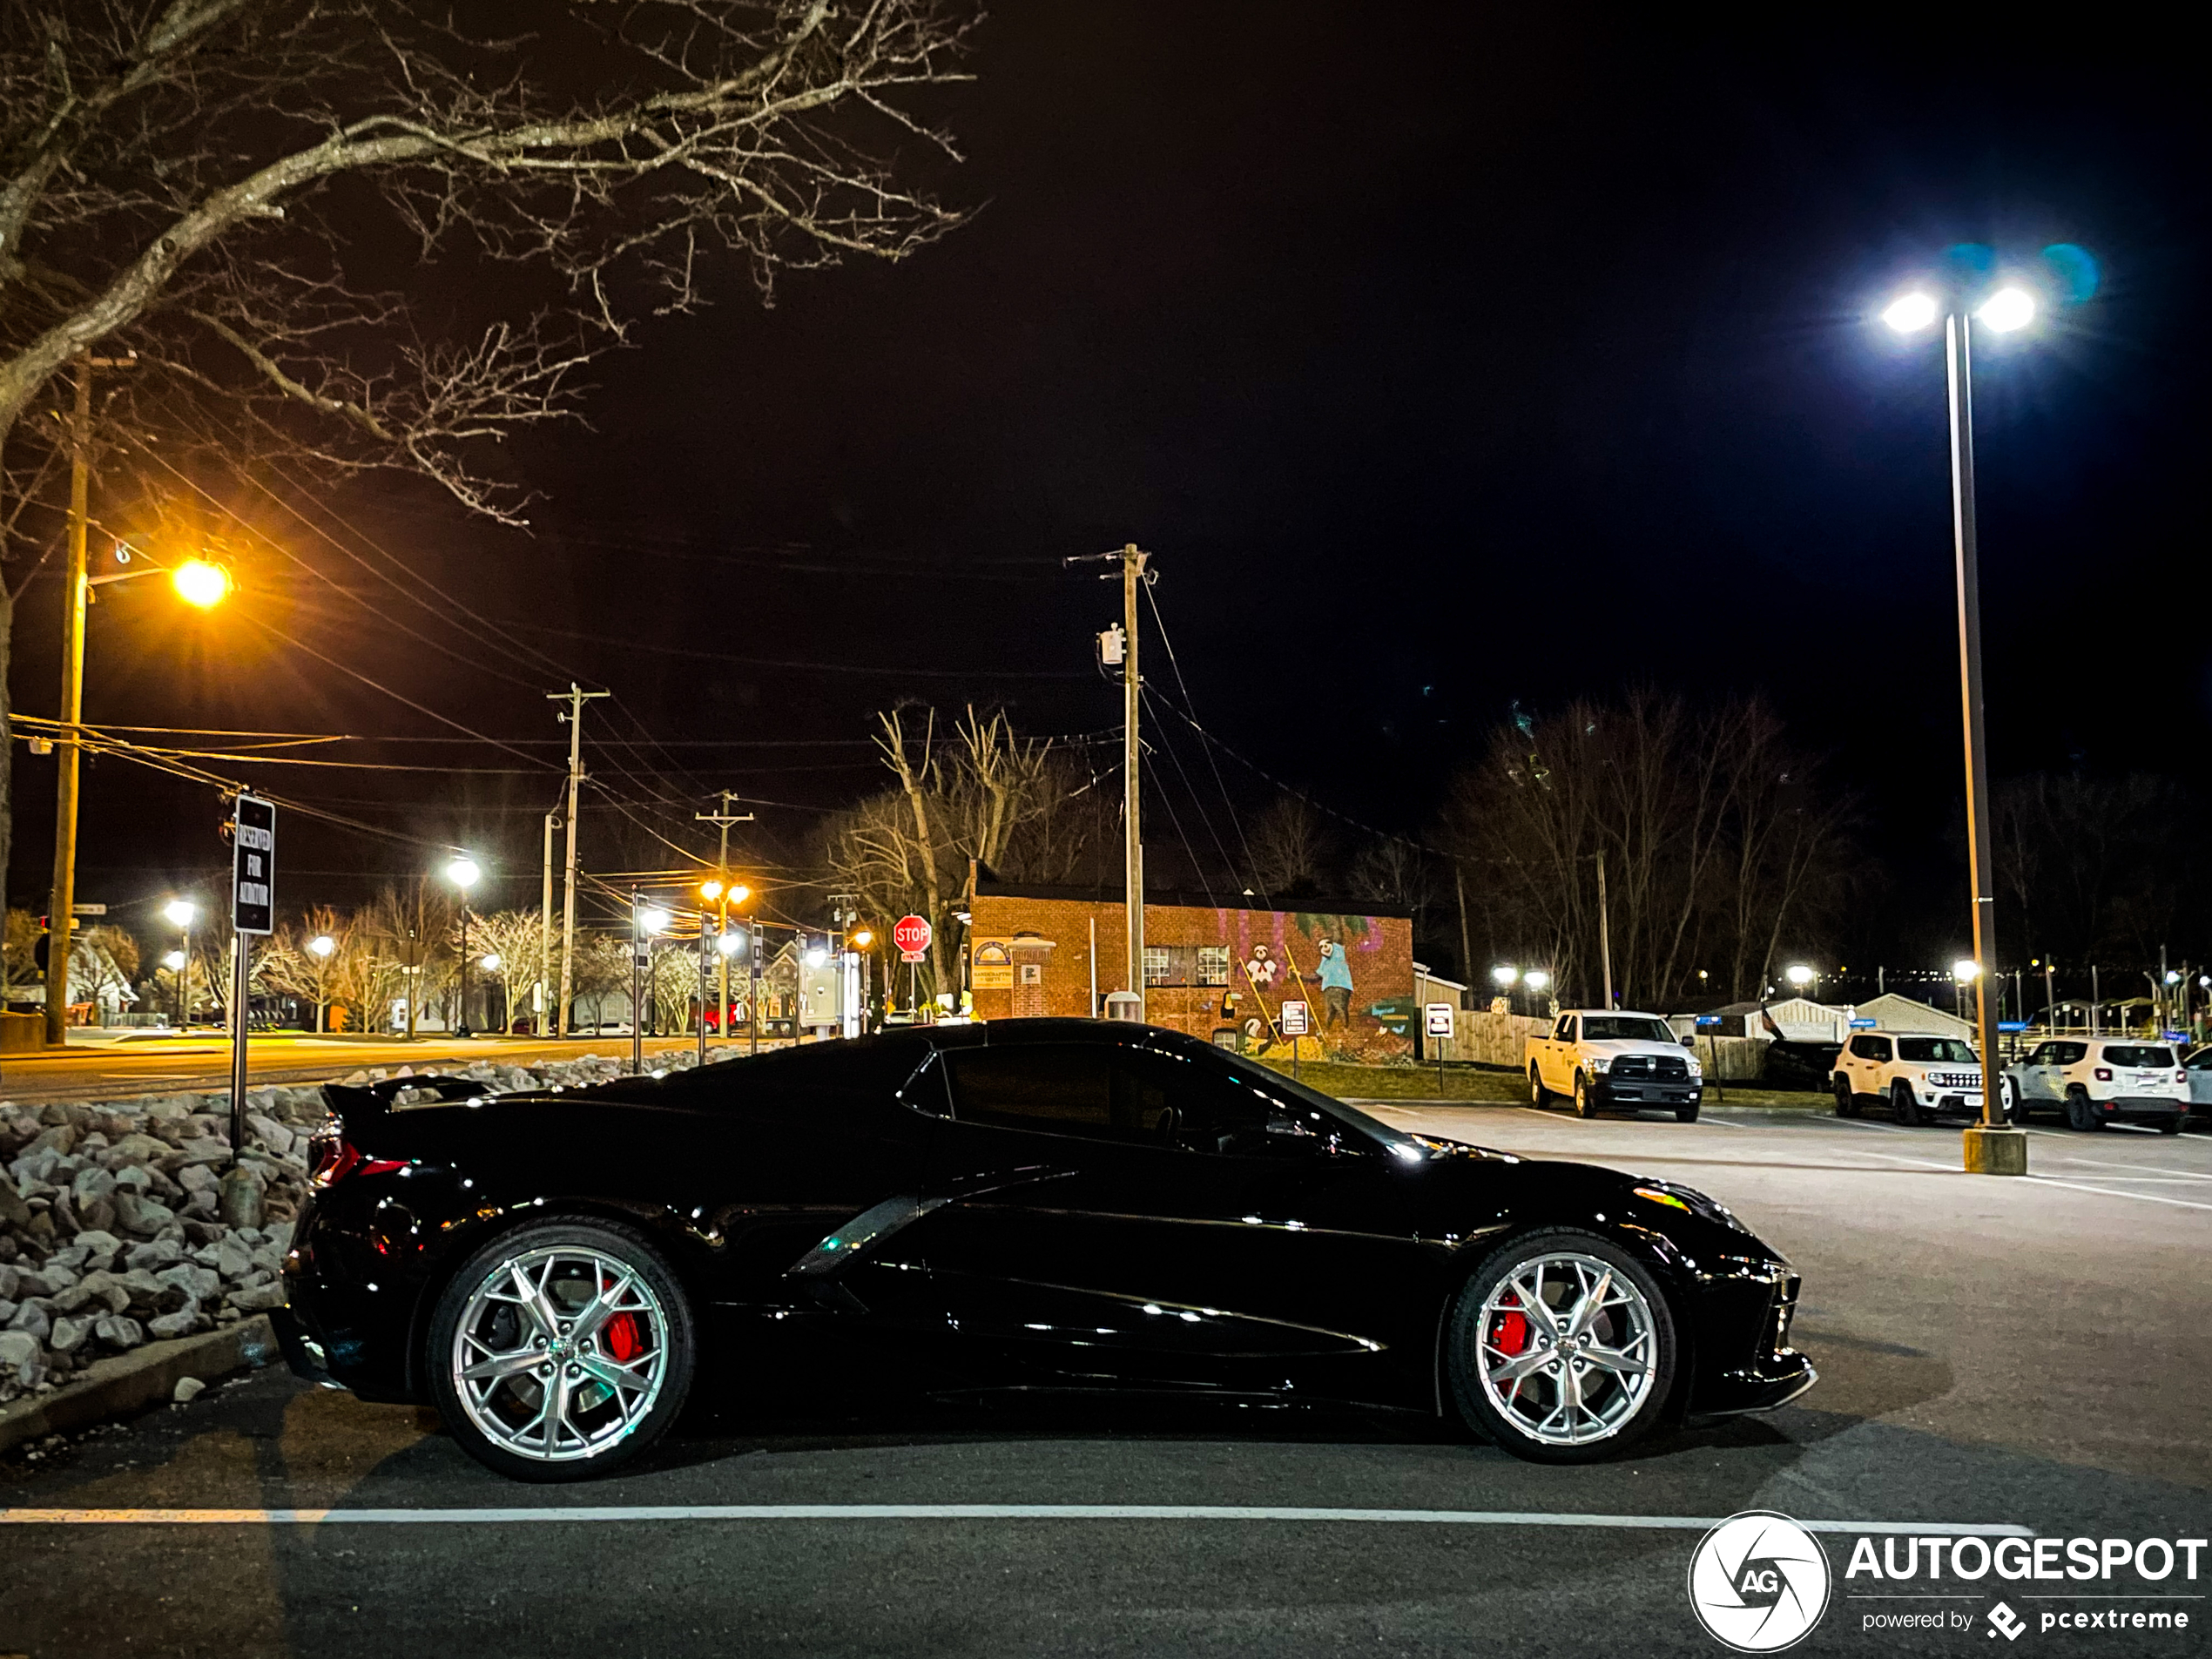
[1600, 1059]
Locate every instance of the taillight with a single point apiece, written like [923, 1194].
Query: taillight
[337, 1157]
[2180, 1076]
[2104, 1074]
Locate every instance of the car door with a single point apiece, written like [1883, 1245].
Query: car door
[2034, 1078]
[1129, 1219]
[1559, 1057]
[2199, 1067]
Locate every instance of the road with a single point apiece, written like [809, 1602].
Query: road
[155, 1065]
[2025, 1353]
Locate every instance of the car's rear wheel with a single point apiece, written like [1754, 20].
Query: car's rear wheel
[1563, 1348]
[1538, 1095]
[1585, 1096]
[2081, 1114]
[1846, 1099]
[561, 1351]
[1902, 1105]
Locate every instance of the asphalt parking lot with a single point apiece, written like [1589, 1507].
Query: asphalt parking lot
[2027, 1355]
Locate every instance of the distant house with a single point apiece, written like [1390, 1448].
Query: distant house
[1895, 1013]
[1795, 1019]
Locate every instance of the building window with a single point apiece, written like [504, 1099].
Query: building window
[1159, 966]
[1213, 964]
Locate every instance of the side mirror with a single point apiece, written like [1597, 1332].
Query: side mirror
[1689, 1039]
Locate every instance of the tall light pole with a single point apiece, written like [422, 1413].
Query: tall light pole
[181, 913]
[1992, 1147]
[464, 873]
[576, 697]
[321, 946]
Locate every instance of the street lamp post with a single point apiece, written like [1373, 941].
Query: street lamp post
[1991, 1146]
[322, 946]
[180, 914]
[465, 874]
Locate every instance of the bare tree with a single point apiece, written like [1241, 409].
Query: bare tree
[1292, 845]
[1717, 838]
[227, 188]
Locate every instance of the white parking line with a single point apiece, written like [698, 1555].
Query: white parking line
[545, 1513]
[2141, 1198]
[2159, 1174]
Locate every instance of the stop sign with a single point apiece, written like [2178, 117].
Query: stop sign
[911, 935]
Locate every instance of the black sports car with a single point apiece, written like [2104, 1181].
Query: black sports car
[1032, 1204]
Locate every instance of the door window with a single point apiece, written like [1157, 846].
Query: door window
[1056, 1089]
[1566, 1032]
[1871, 1048]
[1166, 1099]
[2068, 1053]
[2041, 1056]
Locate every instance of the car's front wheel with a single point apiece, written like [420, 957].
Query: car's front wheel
[1563, 1348]
[561, 1349]
[1902, 1105]
[1585, 1096]
[2014, 1102]
[1846, 1099]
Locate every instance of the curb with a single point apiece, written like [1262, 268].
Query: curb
[146, 1376]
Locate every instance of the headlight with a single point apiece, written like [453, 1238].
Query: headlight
[1689, 1198]
[1598, 1065]
[1696, 1068]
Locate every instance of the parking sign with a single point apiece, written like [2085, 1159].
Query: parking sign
[253, 865]
[1438, 1023]
[1290, 1019]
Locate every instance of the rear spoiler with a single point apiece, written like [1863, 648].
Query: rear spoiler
[357, 1104]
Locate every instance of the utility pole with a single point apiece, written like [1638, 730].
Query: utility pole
[576, 697]
[723, 820]
[545, 932]
[1604, 932]
[1133, 564]
[62, 907]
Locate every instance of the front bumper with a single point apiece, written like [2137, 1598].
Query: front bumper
[1649, 1091]
[1745, 1361]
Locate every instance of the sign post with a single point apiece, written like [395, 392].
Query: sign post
[912, 935]
[1290, 1020]
[252, 914]
[1711, 1025]
[1437, 1022]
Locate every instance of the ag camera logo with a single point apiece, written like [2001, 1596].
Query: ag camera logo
[1758, 1582]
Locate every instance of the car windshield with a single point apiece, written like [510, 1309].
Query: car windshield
[1625, 1028]
[2132, 1054]
[1941, 1051]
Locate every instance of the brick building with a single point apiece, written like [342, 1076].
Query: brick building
[1218, 969]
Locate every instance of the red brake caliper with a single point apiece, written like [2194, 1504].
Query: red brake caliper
[623, 1339]
[1509, 1332]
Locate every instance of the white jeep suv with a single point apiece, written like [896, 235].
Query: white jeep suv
[2096, 1080]
[1919, 1077]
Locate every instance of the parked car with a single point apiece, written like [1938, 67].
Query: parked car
[2095, 1080]
[2199, 1067]
[1919, 1077]
[1027, 1204]
[1605, 1060]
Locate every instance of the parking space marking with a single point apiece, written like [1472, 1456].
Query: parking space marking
[2159, 1174]
[2141, 1198]
[537, 1515]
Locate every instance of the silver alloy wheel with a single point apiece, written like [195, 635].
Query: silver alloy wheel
[560, 1353]
[1568, 1348]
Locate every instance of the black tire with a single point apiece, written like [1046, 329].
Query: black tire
[1463, 1348]
[1538, 1095]
[2171, 1124]
[1846, 1099]
[1903, 1107]
[2015, 1102]
[1585, 1096]
[620, 1244]
[2080, 1114]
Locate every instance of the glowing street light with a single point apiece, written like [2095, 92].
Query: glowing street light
[322, 945]
[320, 948]
[200, 583]
[464, 873]
[174, 961]
[860, 939]
[653, 920]
[711, 889]
[1503, 975]
[1799, 974]
[1965, 970]
[2008, 309]
[181, 914]
[1910, 312]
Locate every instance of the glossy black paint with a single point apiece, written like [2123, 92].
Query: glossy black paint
[833, 1206]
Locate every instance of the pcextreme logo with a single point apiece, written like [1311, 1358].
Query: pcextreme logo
[1758, 1582]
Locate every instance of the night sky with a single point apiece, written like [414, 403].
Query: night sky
[1443, 358]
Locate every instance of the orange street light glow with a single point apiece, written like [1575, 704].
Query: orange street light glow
[198, 582]
[711, 889]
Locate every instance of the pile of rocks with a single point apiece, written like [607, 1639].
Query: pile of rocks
[112, 1233]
